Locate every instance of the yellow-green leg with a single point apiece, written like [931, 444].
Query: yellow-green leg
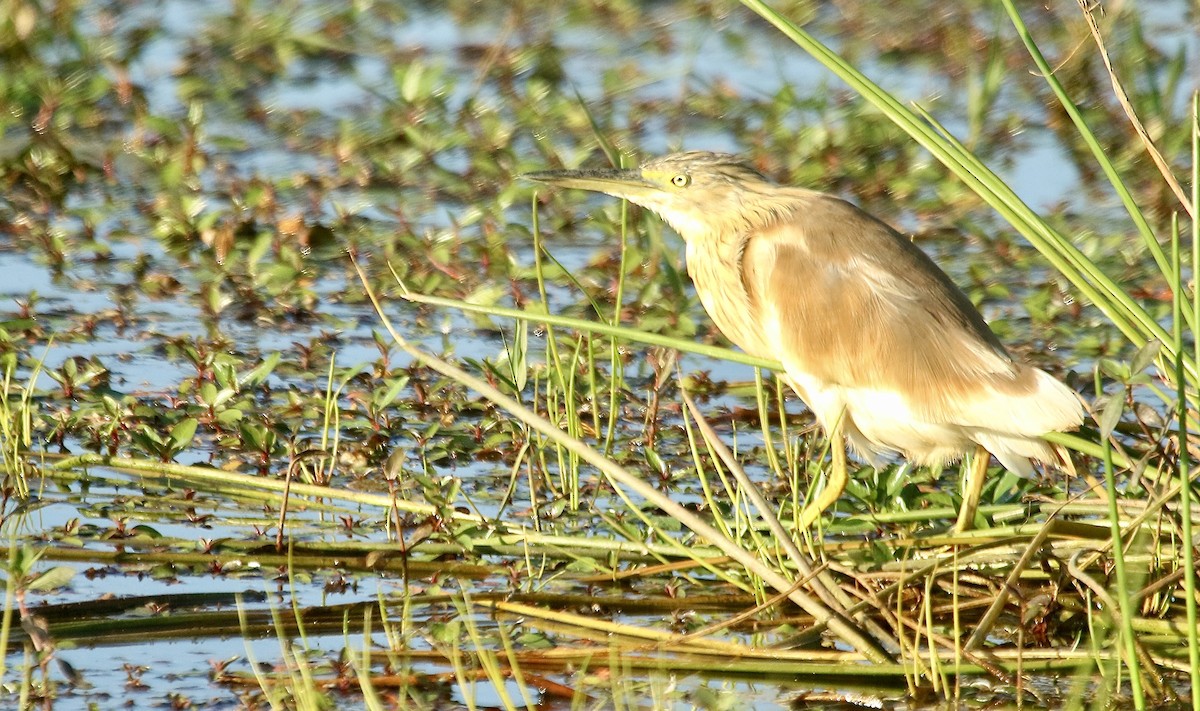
[834, 485]
[972, 487]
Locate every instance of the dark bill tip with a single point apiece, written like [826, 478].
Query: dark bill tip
[619, 183]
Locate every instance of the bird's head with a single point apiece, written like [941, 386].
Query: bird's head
[697, 193]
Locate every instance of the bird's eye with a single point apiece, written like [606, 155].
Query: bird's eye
[681, 180]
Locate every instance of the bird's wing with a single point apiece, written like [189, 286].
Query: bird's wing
[851, 303]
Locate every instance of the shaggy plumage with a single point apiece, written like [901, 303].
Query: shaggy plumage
[874, 337]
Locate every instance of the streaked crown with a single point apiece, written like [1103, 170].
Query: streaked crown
[703, 169]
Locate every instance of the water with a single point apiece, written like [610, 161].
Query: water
[675, 55]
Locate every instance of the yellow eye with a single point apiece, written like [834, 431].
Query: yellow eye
[681, 180]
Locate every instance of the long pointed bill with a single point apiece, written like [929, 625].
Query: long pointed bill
[627, 184]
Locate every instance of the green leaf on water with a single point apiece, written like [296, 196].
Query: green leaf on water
[1145, 356]
[18, 324]
[655, 461]
[1114, 369]
[584, 566]
[393, 392]
[260, 372]
[897, 478]
[53, 579]
[534, 640]
[182, 433]
[1110, 415]
[144, 531]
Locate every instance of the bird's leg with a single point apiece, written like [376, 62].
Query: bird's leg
[834, 485]
[972, 487]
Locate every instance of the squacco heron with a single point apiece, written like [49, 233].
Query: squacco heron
[874, 337]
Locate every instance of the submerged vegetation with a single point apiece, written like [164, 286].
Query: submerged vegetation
[299, 378]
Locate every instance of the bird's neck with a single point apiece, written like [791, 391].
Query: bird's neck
[714, 263]
[691, 227]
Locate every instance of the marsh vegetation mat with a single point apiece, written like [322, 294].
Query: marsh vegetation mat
[310, 402]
